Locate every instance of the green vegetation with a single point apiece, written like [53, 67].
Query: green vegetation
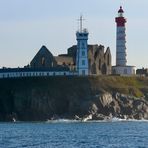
[127, 85]
[135, 86]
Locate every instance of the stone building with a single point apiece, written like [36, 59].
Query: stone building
[99, 60]
[65, 61]
[142, 72]
[43, 59]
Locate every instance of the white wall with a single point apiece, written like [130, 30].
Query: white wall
[35, 74]
[124, 70]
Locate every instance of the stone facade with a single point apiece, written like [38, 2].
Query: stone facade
[98, 60]
[142, 72]
[43, 59]
[65, 61]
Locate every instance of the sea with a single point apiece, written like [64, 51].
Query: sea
[74, 134]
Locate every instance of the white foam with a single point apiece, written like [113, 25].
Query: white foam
[92, 121]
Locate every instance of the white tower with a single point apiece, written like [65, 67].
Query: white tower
[82, 50]
[121, 39]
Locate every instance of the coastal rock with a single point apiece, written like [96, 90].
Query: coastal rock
[99, 117]
[39, 99]
[106, 99]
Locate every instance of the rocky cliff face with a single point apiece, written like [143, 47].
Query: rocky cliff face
[39, 99]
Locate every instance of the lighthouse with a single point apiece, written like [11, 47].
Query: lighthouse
[121, 54]
[121, 67]
[82, 50]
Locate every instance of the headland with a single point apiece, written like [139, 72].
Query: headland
[73, 97]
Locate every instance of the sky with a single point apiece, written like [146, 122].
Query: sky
[26, 25]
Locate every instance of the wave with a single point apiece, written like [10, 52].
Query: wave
[91, 121]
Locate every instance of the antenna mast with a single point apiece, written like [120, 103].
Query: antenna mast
[81, 23]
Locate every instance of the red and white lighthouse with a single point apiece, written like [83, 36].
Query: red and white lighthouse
[121, 54]
[121, 67]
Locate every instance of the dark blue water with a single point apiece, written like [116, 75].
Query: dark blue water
[74, 135]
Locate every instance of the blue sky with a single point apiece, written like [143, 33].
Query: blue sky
[26, 25]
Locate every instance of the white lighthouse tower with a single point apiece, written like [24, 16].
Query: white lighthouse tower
[82, 50]
[121, 67]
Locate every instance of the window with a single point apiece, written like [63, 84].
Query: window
[125, 71]
[43, 61]
[83, 53]
[83, 45]
[83, 72]
[99, 64]
[108, 60]
[83, 62]
[120, 14]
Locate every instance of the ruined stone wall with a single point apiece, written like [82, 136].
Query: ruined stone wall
[99, 62]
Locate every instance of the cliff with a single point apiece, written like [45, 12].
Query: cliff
[102, 97]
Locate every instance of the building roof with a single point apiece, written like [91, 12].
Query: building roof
[43, 52]
[121, 10]
[54, 69]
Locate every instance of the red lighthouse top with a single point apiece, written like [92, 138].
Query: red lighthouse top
[120, 20]
[120, 10]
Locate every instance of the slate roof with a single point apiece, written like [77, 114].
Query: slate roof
[54, 69]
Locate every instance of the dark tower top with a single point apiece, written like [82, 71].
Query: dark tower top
[120, 20]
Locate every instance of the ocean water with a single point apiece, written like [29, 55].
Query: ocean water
[68, 134]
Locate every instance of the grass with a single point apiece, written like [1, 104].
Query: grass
[127, 85]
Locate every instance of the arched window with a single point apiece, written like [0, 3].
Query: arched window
[108, 60]
[43, 61]
[99, 64]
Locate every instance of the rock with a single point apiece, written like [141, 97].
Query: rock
[138, 104]
[138, 116]
[93, 109]
[106, 99]
[39, 99]
[77, 117]
[98, 117]
[87, 117]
